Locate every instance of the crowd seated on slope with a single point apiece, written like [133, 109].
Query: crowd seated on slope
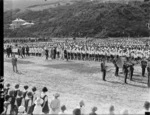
[21, 102]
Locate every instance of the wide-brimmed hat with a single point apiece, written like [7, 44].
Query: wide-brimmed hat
[21, 109]
[38, 101]
[56, 95]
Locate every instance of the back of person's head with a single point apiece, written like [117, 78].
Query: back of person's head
[11, 93]
[29, 94]
[77, 111]
[20, 93]
[44, 89]
[26, 87]
[111, 109]
[34, 89]
[94, 109]
[17, 86]
[8, 85]
[63, 107]
[147, 105]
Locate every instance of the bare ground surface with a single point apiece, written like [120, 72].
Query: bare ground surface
[81, 80]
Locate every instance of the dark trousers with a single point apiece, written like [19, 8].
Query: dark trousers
[104, 75]
[46, 57]
[131, 74]
[143, 71]
[126, 76]
[148, 79]
[117, 70]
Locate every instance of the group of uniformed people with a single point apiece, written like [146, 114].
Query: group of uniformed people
[105, 50]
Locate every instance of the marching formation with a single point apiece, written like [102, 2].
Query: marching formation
[114, 51]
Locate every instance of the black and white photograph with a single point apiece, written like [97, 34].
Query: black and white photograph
[75, 57]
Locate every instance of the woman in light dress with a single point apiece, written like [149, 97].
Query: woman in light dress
[38, 107]
[55, 104]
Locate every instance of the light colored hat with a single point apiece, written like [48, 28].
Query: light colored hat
[56, 95]
[21, 109]
[38, 101]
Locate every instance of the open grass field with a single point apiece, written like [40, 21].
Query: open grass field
[81, 80]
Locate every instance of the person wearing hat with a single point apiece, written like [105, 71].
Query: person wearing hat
[55, 104]
[94, 109]
[21, 110]
[38, 108]
[19, 98]
[147, 107]
[45, 107]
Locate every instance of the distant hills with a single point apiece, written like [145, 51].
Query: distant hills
[81, 19]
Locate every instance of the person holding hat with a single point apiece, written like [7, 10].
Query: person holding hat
[94, 109]
[55, 104]
[38, 108]
[45, 107]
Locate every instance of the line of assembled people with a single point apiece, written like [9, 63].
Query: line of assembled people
[30, 102]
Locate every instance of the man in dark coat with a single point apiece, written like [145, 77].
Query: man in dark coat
[103, 69]
[143, 66]
[46, 53]
[125, 69]
[23, 51]
[27, 51]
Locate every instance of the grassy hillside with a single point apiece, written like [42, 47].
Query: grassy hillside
[93, 19]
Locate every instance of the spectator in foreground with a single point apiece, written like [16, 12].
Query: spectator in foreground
[82, 107]
[125, 112]
[6, 90]
[38, 107]
[7, 105]
[55, 104]
[77, 111]
[111, 110]
[63, 109]
[94, 109]
[16, 90]
[45, 107]
[146, 107]
[21, 110]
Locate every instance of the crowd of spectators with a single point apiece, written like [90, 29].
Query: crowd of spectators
[21, 102]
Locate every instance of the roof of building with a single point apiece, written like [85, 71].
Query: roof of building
[19, 20]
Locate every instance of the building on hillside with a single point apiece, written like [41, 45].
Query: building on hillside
[20, 23]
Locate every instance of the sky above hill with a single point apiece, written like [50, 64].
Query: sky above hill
[13, 4]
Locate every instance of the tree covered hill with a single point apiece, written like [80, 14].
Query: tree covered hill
[84, 19]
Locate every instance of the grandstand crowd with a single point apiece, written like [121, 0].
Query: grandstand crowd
[21, 102]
